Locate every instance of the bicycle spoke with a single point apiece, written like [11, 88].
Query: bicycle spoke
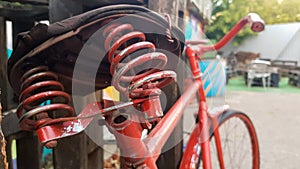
[237, 145]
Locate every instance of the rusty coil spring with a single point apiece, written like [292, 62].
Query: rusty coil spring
[38, 86]
[128, 50]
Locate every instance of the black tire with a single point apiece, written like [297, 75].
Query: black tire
[246, 154]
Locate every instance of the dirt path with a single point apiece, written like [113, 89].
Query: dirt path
[277, 120]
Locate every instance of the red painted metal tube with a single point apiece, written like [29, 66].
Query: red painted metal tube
[232, 33]
[202, 112]
[159, 135]
[192, 152]
[219, 147]
[201, 49]
[191, 54]
[256, 24]
[128, 132]
[204, 128]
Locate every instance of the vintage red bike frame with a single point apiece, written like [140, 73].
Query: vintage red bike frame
[144, 152]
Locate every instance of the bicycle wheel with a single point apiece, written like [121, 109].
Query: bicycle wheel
[238, 141]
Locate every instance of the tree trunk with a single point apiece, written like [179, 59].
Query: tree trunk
[3, 163]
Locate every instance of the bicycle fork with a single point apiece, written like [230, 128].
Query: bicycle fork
[202, 112]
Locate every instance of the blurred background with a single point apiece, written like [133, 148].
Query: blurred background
[258, 73]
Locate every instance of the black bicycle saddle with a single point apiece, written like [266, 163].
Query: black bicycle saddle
[59, 45]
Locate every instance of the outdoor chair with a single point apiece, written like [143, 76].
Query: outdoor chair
[259, 69]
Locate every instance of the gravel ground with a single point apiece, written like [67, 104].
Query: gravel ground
[276, 117]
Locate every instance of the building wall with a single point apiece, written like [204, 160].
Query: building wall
[275, 42]
[192, 27]
[292, 50]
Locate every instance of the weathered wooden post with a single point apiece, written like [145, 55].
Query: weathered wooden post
[171, 158]
[3, 163]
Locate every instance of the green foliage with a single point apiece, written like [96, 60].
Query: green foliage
[226, 13]
[287, 11]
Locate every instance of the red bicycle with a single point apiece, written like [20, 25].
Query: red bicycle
[224, 139]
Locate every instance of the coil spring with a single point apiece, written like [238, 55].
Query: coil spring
[38, 86]
[122, 43]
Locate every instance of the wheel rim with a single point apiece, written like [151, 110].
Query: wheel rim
[239, 144]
